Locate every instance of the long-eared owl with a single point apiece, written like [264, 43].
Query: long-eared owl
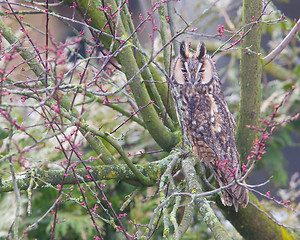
[207, 121]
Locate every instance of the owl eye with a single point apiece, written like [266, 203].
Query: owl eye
[202, 70]
[183, 70]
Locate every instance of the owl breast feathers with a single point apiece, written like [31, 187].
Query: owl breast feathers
[207, 121]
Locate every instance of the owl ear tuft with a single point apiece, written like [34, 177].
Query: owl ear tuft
[201, 50]
[183, 50]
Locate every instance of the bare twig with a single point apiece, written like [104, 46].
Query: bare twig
[269, 58]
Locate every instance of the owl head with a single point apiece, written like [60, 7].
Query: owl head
[191, 68]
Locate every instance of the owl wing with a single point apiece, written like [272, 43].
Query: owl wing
[211, 134]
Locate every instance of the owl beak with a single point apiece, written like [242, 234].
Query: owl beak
[193, 77]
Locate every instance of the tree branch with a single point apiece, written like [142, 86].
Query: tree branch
[152, 171]
[202, 204]
[158, 131]
[165, 139]
[38, 70]
[249, 221]
[250, 80]
[269, 58]
[254, 224]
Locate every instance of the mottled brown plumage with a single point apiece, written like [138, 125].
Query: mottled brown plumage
[207, 121]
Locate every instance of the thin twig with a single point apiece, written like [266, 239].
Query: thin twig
[271, 218]
[269, 58]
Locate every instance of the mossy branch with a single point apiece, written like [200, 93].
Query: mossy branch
[202, 204]
[84, 128]
[152, 171]
[250, 80]
[187, 219]
[158, 131]
[251, 223]
[126, 58]
[152, 82]
[254, 224]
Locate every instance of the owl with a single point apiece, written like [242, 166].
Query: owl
[207, 121]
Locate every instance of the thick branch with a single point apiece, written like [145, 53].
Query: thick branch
[126, 58]
[250, 80]
[249, 221]
[152, 88]
[254, 224]
[152, 171]
[202, 204]
[186, 219]
[161, 135]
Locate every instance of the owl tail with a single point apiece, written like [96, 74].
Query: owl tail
[235, 195]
